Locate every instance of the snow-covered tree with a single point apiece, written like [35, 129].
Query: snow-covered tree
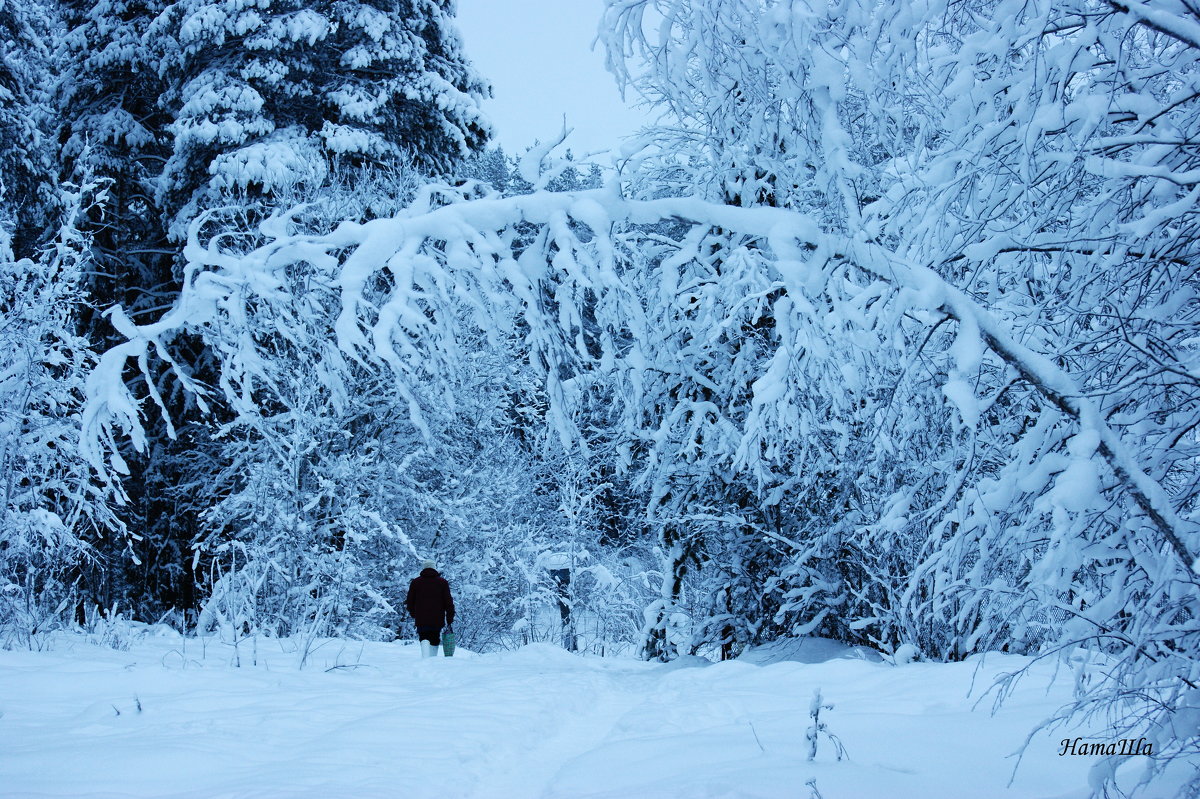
[113, 136]
[332, 493]
[27, 186]
[1038, 158]
[175, 107]
[113, 131]
[53, 511]
[735, 132]
[268, 97]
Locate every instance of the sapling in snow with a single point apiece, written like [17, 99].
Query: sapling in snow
[819, 728]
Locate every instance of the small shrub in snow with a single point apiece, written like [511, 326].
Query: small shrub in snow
[819, 728]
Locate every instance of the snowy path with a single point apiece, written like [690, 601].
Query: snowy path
[373, 720]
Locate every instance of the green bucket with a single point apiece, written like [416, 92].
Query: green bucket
[448, 642]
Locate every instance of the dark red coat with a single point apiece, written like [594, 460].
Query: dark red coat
[429, 601]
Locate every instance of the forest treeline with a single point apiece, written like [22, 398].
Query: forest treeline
[885, 330]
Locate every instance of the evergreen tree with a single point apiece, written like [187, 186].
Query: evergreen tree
[179, 107]
[267, 98]
[112, 130]
[27, 194]
[114, 137]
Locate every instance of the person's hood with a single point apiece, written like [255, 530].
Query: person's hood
[429, 572]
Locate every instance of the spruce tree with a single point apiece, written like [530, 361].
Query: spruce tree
[181, 107]
[27, 194]
[113, 131]
[268, 98]
[113, 137]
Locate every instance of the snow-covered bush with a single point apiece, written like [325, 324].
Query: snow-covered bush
[51, 507]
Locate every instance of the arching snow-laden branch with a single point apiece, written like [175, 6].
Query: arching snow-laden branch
[465, 250]
[576, 295]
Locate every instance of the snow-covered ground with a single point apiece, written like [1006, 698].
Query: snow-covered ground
[174, 717]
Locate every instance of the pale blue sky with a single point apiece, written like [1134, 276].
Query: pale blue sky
[538, 54]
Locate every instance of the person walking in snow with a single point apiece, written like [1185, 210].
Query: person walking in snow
[432, 607]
